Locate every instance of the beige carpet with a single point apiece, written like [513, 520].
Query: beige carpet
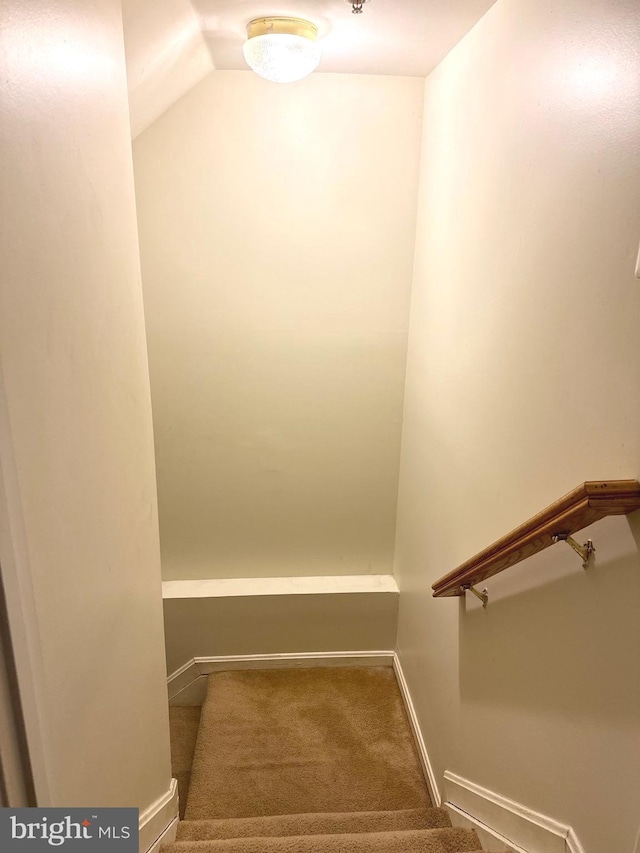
[292, 741]
[306, 761]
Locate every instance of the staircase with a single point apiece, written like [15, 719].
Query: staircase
[306, 761]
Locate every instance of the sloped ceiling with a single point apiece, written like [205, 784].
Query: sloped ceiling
[166, 56]
[172, 44]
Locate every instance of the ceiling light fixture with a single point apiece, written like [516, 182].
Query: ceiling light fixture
[356, 6]
[282, 49]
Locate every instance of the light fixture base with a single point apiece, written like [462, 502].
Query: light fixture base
[284, 26]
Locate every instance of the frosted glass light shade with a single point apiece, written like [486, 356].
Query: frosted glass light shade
[282, 56]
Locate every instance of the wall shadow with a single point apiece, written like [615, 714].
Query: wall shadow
[571, 644]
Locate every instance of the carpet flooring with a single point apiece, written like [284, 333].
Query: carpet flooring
[318, 760]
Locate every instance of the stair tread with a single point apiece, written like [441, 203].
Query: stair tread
[440, 840]
[317, 823]
[289, 741]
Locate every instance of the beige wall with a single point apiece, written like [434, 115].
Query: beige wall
[523, 381]
[277, 227]
[78, 522]
[278, 624]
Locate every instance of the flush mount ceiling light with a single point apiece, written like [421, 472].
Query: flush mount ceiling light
[282, 49]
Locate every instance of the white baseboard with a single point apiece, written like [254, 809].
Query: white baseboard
[159, 821]
[192, 694]
[434, 791]
[167, 837]
[519, 828]
[184, 683]
[207, 665]
[573, 843]
[490, 840]
[182, 677]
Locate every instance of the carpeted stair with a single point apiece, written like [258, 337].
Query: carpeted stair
[315, 760]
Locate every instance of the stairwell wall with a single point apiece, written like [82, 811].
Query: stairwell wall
[277, 228]
[523, 381]
[78, 516]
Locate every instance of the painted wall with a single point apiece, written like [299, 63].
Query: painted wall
[278, 624]
[78, 534]
[523, 381]
[249, 616]
[277, 228]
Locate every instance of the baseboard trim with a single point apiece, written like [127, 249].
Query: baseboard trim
[434, 791]
[156, 822]
[167, 837]
[182, 677]
[573, 843]
[187, 675]
[520, 828]
[490, 840]
[207, 665]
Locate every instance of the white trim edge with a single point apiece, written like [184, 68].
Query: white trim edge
[197, 667]
[156, 822]
[241, 587]
[510, 822]
[434, 791]
[167, 837]
[294, 659]
[573, 843]
[489, 838]
[182, 677]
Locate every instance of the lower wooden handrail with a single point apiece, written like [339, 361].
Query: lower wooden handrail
[587, 503]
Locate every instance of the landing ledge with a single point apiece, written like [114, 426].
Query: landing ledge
[238, 587]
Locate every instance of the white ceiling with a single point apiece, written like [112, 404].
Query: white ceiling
[397, 37]
[172, 44]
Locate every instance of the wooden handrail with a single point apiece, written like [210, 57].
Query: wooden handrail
[588, 503]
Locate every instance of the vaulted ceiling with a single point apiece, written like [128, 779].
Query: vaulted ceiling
[172, 44]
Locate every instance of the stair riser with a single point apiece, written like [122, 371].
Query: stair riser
[313, 824]
[450, 840]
